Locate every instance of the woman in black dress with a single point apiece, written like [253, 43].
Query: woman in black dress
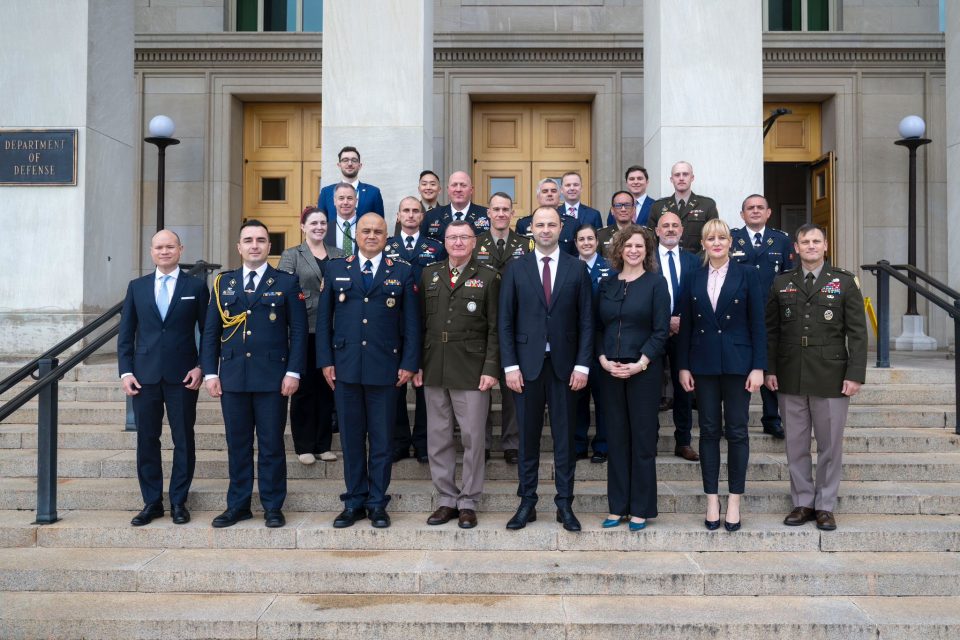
[633, 322]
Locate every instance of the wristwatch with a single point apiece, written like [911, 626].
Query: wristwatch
[643, 365]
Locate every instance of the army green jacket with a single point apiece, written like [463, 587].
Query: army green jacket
[816, 339]
[695, 213]
[460, 341]
[486, 251]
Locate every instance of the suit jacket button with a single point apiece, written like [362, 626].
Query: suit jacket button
[394, 350]
[249, 333]
[728, 317]
[248, 354]
[719, 331]
[364, 343]
[366, 299]
[364, 321]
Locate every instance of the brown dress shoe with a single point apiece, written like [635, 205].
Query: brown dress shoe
[443, 515]
[826, 521]
[468, 519]
[799, 516]
[687, 453]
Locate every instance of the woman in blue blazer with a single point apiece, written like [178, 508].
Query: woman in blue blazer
[721, 354]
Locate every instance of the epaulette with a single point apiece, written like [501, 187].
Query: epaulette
[843, 271]
[779, 231]
[735, 230]
[399, 261]
[484, 265]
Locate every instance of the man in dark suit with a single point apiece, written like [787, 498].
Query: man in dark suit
[546, 346]
[254, 351]
[694, 210]
[548, 195]
[368, 196]
[771, 252]
[637, 179]
[571, 185]
[343, 235]
[413, 247]
[459, 193]
[159, 367]
[368, 345]
[677, 266]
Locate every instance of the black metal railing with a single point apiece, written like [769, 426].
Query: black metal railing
[47, 370]
[884, 271]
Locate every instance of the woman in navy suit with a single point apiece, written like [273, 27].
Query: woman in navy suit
[721, 354]
[632, 324]
[311, 407]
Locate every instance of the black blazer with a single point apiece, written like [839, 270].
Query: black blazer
[527, 324]
[632, 318]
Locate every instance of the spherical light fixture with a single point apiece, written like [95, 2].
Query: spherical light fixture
[912, 127]
[163, 127]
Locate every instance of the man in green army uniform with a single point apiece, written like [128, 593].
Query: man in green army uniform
[461, 363]
[817, 360]
[694, 210]
[498, 247]
[621, 208]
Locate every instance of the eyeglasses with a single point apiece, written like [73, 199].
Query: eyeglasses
[350, 160]
[621, 205]
[460, 238]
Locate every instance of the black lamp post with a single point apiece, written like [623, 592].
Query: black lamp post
[161, 134]
[912, 129]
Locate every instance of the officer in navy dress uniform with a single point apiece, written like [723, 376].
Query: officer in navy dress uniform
[459, 193]
[410, 245]
[252, 356]
[771, 252]
[368, 345]
[548, 195]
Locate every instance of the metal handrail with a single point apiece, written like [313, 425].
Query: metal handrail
[883, 270]
[48, 374]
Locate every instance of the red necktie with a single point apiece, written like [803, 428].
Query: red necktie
[546, 279]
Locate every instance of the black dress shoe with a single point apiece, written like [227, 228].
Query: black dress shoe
[582, 455]
[348, 517]
[565, 516]
[274, 518]
[147, 514]
[401, 454]
[775, 430]
[511, 456]
[231, 517]
[598, 457]
[665, 404]
[179, 514]
[422, 457]
[379, 518]
[525, 513]
[486, 455]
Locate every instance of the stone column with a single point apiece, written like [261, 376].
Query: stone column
[703, 97]
[70, 249]
[953, 144]
[378, 92]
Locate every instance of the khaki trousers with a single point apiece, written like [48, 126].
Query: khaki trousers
[827, 418]
[470, 408]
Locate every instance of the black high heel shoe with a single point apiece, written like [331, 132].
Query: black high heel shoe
[711, 525]
[731, 526]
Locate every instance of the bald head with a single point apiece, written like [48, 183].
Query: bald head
[459, 189]
[165, 250]
[669, 230]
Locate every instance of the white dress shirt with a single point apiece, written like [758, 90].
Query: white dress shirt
[404, 236]
[454, 211]
[353, 230]
[665, 267]
[375, 261]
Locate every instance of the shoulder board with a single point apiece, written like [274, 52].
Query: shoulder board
[781, 232]
[392, 261]
[736, 229]
[226, 271]
[483, 265]
[839, 270]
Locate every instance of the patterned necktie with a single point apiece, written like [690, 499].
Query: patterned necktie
[757, 240]
[347, 239]
[251, 286]
[454, 275]
[367, 273]
[674, 281]
[547, 286]
[572, 212]
[163, 297]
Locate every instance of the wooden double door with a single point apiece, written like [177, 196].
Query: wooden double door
[281, 168]
[515, 145]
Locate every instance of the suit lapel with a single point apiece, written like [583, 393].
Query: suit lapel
[311, 261]
[819, 282]
[177, 291]
[730, 284]
[147, 290]
[533, 272]
[563, 268]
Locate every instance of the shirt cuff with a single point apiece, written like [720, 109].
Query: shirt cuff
[210, 376]
[515, 367]
[293, 375]
[584, 370]
[124, 375]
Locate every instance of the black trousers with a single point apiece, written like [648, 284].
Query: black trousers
[311, 407]
[402, 436]
[545, 389]
[181, 406]
[260, 414]
[682, 400]
[723, 404]
[632, 407]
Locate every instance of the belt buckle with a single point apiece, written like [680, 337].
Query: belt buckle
[803, 341]
[443, 336]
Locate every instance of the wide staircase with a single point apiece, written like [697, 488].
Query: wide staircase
[891, 569]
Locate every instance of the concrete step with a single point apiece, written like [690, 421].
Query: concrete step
[303, 571]
[87, 463]
[500, 495]
[108, 615]
[208, 413]
[681, 533]
[211, 437]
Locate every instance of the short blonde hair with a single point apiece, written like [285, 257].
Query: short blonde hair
[714, 225]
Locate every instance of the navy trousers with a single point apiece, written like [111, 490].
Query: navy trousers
[723, 404]
[366, 412]
[263, 414]
[682, 401]
[402, 437]
[181, 408]
[582, 438]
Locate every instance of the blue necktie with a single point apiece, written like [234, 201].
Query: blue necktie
[367, 273]
[163, 298]
[674, 281]
[757, 240]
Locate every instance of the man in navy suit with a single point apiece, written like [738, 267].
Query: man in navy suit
[253, 353]
[411, 246]
[368, 196]
[159, 366]
[461, 207]
[368, 345]
[571, 184]
[546, 346]
[548, 195]
[669, 232]
[771, 252]
[637, 180]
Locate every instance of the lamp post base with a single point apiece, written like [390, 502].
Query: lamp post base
[913, 338]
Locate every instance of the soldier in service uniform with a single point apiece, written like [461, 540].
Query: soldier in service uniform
[771, 252]
[368, 345]
[817, 360]
[410, 245]
[694, 210]
[622, 208]
[498, 248]
[253, 353]
[460, 366]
